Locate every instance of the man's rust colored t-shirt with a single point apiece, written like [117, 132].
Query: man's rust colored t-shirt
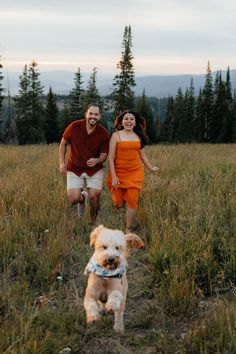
[84, 146]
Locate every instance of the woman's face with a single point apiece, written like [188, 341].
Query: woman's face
[128, 121]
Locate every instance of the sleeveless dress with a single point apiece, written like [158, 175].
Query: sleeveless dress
[128, 166]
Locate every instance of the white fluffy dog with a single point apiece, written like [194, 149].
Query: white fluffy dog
[107, 282]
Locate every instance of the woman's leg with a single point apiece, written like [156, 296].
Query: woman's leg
[130, 217]
[117, 198]
[131, 198]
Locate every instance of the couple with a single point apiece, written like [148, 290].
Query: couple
[89, 146]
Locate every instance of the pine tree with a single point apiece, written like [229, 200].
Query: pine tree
[123, 94]
[167, 128]
[199, 121]
[221, 125]
[64, 120]
[233, 137]
[188, 115]
[179, 110]
[10, 132]
[216, 124]
[38, 113]
[91, 94]
[228, 86]
[144, 109]
[229, 112]
[185, 114]
[23, 121]
[1, 101]
[157, 127]
[51, 119]
[2, 89]
[30, 110]
[76, 97]
[207, 102]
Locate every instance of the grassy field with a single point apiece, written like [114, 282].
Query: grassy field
[182, 293]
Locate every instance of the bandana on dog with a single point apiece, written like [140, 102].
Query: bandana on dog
[94, 267]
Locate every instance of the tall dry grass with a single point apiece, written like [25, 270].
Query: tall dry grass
[181, 296]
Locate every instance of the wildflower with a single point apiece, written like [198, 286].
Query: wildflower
[42, 301]
[59, 278]
[65, 350]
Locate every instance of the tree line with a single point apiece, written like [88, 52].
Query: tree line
[209, 117]
[32, 118]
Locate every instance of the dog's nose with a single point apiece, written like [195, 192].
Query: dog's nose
[111, 260]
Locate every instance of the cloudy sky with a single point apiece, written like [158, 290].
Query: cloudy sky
[169, 36]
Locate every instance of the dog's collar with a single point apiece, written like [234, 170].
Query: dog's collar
[94, 267]
[118, 275]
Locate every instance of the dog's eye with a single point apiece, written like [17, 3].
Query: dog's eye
[104, 247]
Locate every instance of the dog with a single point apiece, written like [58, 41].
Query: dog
[107, 283]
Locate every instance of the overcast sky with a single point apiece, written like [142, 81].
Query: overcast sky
[169, 36]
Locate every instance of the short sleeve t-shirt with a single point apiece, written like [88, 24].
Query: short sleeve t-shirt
[84, 146]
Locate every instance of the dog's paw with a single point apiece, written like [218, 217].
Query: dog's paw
[108, 307]
[133, 242]
[119, 328]
[114, 301]
[112, 306]
[92, 319]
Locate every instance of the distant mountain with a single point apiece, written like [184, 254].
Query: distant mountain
[62, 82]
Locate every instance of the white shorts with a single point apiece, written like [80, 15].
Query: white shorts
[75, 182]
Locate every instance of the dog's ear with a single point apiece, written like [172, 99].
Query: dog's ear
[133, 242]
[94, 235]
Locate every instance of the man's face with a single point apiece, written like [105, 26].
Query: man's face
[93, 115]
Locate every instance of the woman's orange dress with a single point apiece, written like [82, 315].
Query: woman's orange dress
[128, 166]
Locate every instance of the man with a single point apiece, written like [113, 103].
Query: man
[89, 143]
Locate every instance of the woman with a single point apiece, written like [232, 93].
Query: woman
[125, 157]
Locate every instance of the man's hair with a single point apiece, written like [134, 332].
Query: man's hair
[94, 105]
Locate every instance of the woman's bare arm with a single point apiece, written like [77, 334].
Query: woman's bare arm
[111, 158]
[146, 162]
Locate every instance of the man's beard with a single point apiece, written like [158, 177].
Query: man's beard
[94, 122]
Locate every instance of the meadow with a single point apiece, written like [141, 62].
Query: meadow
[182, 286]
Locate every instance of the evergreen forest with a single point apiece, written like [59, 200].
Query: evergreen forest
[33, 117]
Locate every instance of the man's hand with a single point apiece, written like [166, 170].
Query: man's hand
[154, 169]
[93, 162]
[63, 168]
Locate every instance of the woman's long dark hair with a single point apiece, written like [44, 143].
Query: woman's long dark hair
[139, 128]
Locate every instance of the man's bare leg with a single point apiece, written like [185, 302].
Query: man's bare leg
[94, 202]
[74, 195]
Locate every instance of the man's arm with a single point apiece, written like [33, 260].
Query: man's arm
[95, 160]
[62, 155]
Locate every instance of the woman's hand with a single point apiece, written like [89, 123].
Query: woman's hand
[115, 182]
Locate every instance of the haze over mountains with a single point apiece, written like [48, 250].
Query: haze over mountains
[62, 82]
